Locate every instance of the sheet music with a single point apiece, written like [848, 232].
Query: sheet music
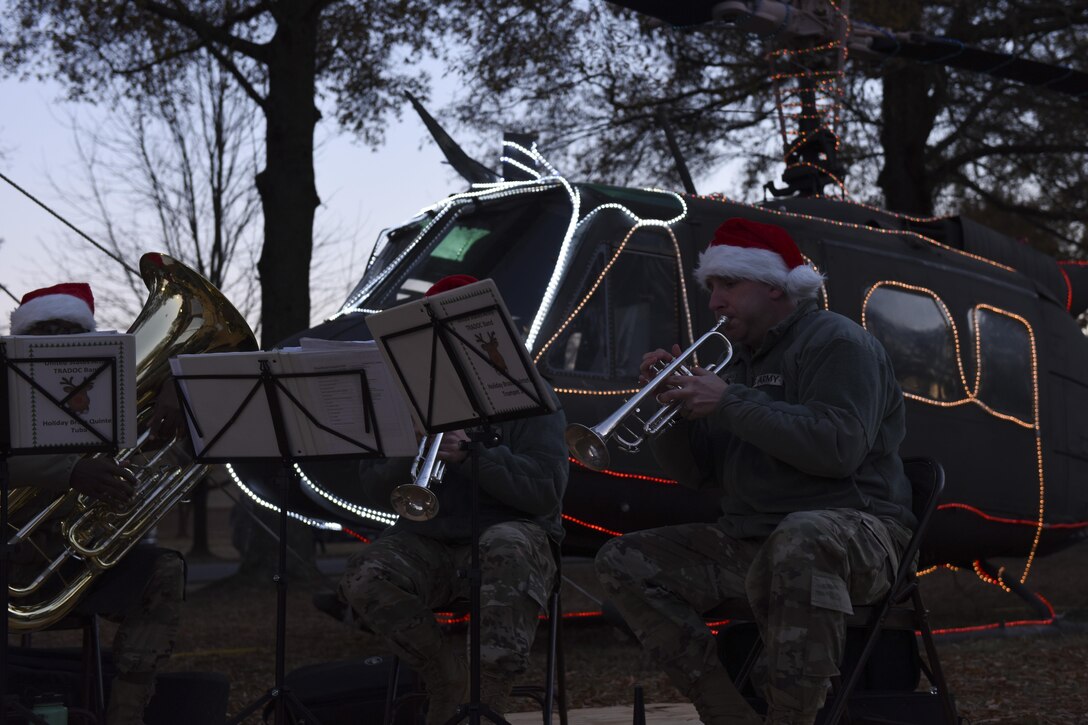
[214, 401]
[394, 417]
[97, 395]
[334, 401]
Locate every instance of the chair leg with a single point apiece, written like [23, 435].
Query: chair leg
[550, 664]
[560, 663]
[391, 691]
[934, 673]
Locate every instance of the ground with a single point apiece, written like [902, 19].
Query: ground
[1014, 675]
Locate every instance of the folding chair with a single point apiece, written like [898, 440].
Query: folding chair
[901, 609]
[92, 679]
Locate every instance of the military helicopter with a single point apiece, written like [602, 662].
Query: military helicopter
[981, 328]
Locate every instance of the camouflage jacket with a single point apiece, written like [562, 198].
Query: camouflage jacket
[811, 420]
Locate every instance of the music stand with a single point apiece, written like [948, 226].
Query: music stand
[285, 412]
[439, 327]
[101, 367]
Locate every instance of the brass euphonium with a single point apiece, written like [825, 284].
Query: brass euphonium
[183, 314]
[589, 446]
[416, 501]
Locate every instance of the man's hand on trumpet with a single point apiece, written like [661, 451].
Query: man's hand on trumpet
[698, 393]
[450, 449]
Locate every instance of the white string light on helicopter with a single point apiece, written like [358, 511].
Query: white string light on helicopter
[640, 223]
[316, 523]
[972, 393]
[361, 511]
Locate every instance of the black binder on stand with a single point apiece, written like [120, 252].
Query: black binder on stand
[273, 413]
[38, 417]
[461, 364]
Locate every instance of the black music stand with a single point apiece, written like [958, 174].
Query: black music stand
[279, 397]
[106, 443]
[446, 332]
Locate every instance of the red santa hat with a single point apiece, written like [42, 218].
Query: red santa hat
[451, 282]
[70, 301]
[744, 249]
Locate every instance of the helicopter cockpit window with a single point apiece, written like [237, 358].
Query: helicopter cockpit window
[1006, 383]
[515, 241]
[918, 335]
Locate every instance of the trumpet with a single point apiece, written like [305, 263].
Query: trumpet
[589, 446]
[416, 501]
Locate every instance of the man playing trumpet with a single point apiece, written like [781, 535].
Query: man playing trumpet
[394, 584]
[801, 431]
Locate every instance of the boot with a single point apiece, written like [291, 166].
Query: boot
[495, 692]
[446, 679]
[129, 695]
[719, 703]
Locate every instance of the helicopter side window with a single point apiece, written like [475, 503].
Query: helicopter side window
[1006, 380]
[634, 309]
[920, 339]
[644, 301]
[582, 346]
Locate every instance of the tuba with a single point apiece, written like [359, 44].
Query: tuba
[183, 314]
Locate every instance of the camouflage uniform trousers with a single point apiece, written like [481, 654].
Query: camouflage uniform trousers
[147, 633]
[395, 583]
[800, 582]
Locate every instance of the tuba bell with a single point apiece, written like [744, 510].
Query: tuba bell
[183, 314]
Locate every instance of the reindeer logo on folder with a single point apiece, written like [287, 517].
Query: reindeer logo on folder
[491, 347]
[81, 401]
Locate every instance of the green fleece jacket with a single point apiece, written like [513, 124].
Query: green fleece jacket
[811, 420]
[521, 479]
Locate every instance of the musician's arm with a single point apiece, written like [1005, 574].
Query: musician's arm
[48, 472]
[529, 471]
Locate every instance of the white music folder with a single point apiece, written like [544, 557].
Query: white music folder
[68, 391]
[319, 394]
[458, 359]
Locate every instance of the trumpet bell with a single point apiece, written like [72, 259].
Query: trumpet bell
[587, 447]
[414, 502]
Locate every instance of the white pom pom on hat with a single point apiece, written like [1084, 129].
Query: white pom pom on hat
[745, 249]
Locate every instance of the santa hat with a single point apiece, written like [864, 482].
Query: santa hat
[744, 249]
[71, 301]
[451, 282]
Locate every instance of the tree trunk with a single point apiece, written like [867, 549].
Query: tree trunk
[286, 185]
[288, 199]
[908, 111]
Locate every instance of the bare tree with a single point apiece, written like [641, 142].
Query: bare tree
[593, 80]
[173, 175]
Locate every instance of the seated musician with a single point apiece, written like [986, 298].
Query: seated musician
[395, 583]
[144, 592]
[801, 431]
